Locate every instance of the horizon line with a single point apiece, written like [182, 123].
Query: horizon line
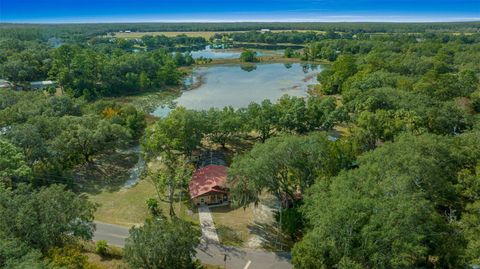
[458, 20]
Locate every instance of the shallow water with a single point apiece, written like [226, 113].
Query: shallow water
[137, 169]
[208, 52]
[238, 86]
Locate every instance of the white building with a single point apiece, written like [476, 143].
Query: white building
[38, 85]
[5, 84]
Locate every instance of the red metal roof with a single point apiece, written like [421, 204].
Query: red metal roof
[207, 179]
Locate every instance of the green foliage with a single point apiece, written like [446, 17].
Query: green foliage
[143, 249]
[53, 134]
[223, 125]
[101, 247]
[12, 163]
[248, 56]
[181, 131]
[291, 222]
[285, 166]
[69, 257]
[86, 137]
[288, 53]
[332, 79]
[17, 254]
[170, 177]
[44, 218]
[262, 118]
[153, 207]
[92, 73]
[398, 210]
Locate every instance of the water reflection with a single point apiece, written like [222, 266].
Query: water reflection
[227, 53]
[237, 86]
[248, 67]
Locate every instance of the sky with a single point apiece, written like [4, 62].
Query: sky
[70, 11]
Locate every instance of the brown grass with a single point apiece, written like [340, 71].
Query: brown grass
[107, 263]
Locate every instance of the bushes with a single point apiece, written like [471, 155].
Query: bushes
[101, 247]
[248, 56]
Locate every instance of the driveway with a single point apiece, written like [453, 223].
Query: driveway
[209, 252]
[209, 233]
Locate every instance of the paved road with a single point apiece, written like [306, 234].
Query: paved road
[208, 252]
[113, 234]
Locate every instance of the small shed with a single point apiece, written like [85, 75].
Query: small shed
[38, 85]
[207, 186]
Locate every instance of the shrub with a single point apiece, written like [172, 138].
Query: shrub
[101, 247]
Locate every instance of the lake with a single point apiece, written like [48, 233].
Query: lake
[211, 53]
[237, 86]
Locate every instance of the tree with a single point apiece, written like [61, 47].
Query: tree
[16, 254]
[46, 217]
[169, 73]
[322, 113]
[288, 53]
[397, 210]
[285, 167]
[87, 136]
[292, 114]
[223, 124]
[175, 250]
[332, 80]
[13, 166]
[181, 131]
[248, 56]
[262, 118]
[172, 176]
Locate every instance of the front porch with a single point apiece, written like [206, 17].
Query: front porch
[211, 199]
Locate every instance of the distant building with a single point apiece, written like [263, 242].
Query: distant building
[4, 84]
[39, 85]
[128, 31]
[264, 31]
[207, 186]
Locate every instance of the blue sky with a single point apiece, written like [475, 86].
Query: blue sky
[235, 10]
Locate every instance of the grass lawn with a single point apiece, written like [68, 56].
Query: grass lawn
[232, 224]
[127, 207]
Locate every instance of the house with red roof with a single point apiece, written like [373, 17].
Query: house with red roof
[207, 186]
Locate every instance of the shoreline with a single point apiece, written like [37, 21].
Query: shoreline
[151, 100]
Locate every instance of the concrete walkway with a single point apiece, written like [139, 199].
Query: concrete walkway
[209, 233]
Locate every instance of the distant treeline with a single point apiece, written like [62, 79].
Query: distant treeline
[82, 31]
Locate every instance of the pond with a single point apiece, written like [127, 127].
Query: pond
[211, 53]
[237, 86]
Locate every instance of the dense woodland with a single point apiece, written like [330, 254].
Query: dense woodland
[378, 168]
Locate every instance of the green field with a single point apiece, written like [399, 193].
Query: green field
[127, 207]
